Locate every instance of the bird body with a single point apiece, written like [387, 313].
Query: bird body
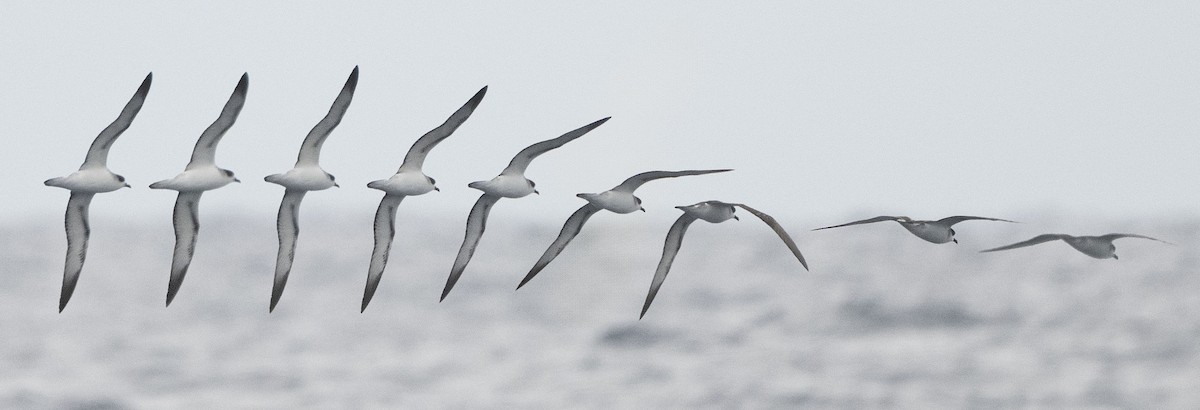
[614, 201]
[506, 185]
[405, 184]
[94, 180]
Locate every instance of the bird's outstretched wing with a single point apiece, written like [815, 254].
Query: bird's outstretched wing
[288, 226]
[416, 154]
[864, 221]
[310, 151]
[206, 146]
[476, 223]
[1114, 236]
[950, 221]
[521, 161]
[670, 249]
[77, 241]
[569, 230]
[385, 231]
[1033, 241]
[97, 155]
[633, 182]
[787, 239]
[187, 225]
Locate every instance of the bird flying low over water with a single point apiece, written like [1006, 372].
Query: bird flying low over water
[306, 176]
[93, 177]
[620, 200]
[938, 231]
[511, 183]
[201, 174]
[408, 181]
[714, 212]
[1099, 247]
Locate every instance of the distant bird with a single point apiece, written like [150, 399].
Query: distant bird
[938, 231]
[1099, 247]
[408, 181]
[711, 211]
[201, 174]
[620, 199]
[93, 177]
[511, 183]
[306, 176]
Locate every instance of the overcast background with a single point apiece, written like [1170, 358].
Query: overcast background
[1074, 117]
[826, 111]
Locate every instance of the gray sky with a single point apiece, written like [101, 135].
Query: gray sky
[826, 110]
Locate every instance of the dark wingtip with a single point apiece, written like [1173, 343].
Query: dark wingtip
[170, 297]
[528, 277]
[274, 301]
[145, 87]
[365, 302]
[243, 84]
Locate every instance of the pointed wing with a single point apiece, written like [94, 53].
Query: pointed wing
[521, 161]
[206, 146]
[289, 228]
[637, 180]
[476, 223]
[97, 155]
[956, 219]
[864, 221]
[569, 230]
[787, 239]
[1113, 236]
[77, 240]
[310, 151]
[385, 231]
[187, 224]
[670, 249]
[1034, 241]
[416, 155]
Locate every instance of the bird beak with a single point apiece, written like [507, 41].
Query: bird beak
[436, 189]
[536, 192]
[955, 240]
[237, 180]
[643, 209]
[127, 186]
[736, 218]
[1115, 256]
[335, 185]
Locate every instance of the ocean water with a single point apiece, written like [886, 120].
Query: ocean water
[883, 320]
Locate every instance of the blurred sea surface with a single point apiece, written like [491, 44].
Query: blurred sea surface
[883, 319]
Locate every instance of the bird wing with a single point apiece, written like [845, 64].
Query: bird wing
[288, 226]
[670, 249]
[1112, 236]
[476, 223]
[385, 231]
[1033, 241]
[569, 230]
[97, 155]
[187, 224]
[77, 240]
[206, 146]
[416, 154]
[636, 181]
[310, 151]
[787, 239]
[864, 221]
[950, 221]
[521, 161]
